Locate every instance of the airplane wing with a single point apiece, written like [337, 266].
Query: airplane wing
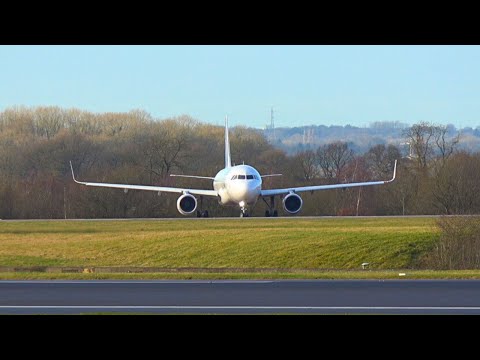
[146, 187]
[272, 192]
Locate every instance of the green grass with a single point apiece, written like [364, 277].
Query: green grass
[281, 243]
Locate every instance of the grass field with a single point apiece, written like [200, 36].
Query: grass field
[327, 274]
[255, 243]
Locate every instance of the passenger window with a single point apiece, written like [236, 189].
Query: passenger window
[241, 177]
[249, 177]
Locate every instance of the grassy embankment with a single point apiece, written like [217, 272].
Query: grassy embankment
[240, 248]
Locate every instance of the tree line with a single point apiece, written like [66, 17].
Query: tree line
[36, 145]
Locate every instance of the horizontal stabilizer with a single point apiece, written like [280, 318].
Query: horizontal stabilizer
[271, 175]
[193, 176]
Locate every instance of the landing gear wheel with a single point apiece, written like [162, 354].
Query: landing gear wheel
[205, 214]
[267, 213]
[275, 213]
[199, 213]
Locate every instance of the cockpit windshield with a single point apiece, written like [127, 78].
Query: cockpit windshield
[244, 177]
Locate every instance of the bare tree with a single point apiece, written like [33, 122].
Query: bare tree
[333, 158]
[381, 159]
[458, 246]
[163, 145]
[421, 137]
[308, 162]
[427, 140]
[48, 121]
[444, 146]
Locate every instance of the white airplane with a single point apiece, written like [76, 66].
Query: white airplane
[239, 185]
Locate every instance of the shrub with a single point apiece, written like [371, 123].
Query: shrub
[459, 244]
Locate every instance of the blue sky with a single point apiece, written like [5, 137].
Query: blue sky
[329, 85]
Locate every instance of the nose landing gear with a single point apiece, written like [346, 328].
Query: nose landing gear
[243, 209]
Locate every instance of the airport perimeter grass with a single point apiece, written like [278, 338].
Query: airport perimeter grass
[324, 275]
[301, 244]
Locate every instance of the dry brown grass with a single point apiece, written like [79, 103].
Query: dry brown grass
[328, 243]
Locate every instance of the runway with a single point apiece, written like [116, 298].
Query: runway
[242, 297]
[250, 218]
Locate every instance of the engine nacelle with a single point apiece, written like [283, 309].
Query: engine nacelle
[292, 203]
[186, 204]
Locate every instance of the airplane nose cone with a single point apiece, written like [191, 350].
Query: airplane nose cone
[242, 190]
[246, 191]
[251, 191]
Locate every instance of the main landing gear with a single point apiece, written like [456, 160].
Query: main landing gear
[274, 213]
[271, 211]
[202, 213]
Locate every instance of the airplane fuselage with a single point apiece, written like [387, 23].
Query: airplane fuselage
[239, 185]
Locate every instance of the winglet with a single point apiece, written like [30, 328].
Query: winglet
[394, 172]
[73, 175]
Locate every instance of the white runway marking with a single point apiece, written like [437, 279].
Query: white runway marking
[138, 307]
[135, 282]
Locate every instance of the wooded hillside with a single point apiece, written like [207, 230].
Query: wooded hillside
[439, 177]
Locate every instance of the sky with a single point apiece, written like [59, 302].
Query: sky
[305, 85]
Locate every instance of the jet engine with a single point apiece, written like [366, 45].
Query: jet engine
[292, 203]
[186, 204]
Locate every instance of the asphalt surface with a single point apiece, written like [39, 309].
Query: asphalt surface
[242, 297]
[250, 218]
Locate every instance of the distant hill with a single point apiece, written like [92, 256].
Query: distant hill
[360, 139]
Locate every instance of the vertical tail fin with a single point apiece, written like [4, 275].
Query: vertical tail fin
[228, 162]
